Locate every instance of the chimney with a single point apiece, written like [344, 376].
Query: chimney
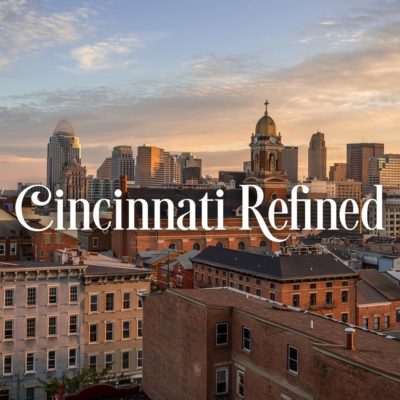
[350, 332]
[123, 182]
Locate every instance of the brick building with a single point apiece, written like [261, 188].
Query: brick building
[96, 239]
[316, 282]
[378, 301]
[225, 344]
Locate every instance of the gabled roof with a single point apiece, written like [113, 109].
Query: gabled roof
[281, 268]
[386, 285]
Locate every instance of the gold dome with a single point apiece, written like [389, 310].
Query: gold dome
[265, 125]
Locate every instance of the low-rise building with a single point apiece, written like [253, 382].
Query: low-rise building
[225, 344]
[317, 282]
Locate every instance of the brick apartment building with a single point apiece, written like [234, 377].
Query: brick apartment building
[96, 239]
[225, 344]
[378, 301]
[315, 282]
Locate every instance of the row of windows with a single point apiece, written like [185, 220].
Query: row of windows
[328, 298]
[126, 362]
[222, 374]
[377, 321]
[32, 295]
[30, 361]
[52, 327]
[110, 331]
[110, 302]
[12, 250]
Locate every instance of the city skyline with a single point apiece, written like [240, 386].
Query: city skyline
[217, 72]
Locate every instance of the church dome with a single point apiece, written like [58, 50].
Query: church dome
[265, 125]
[64, 128]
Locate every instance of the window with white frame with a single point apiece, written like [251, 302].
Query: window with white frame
[30, 393]
[139, 358]
[240, 383]
[93, 362]
[139, 301]
[2, 249]
[126, 358]
[8, 329]
[73, 324]
[9, 297]
[221, 332]
[109, 331]
[293, 362]
[108, 360]
[52, 326]
[109, 301]
[94, 303]
[13, 249]
[95, 242]
[72, 358]
[30, 327]
[126, 329]
[30, 362]
[221, 380]
[126, 301]
[246, 339]
[179, 281]
[73, 293]
[53, 294]
[139, 328]
[7, 364]
[51, 360]
[93, 333]
[31, 296]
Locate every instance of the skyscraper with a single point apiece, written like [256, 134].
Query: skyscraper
[122, 162]
[385, 171]
[104, 171]
[358, 155]
[172, 168]
[337, 172]
[317, 156]
[149, 166]
[62, 150]
[190, 167]
[290, 162]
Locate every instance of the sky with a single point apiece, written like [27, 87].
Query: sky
[193, 76]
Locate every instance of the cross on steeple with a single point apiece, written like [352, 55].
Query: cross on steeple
[266, 107]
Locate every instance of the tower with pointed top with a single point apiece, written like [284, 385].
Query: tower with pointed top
[266, 159]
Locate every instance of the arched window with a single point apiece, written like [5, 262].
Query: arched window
[196, 246]
[241, 246]
[272, 164]
[172, 246]
[219, 244]
[263, 243]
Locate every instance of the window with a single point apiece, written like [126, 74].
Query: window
[139, 358]
[93, 362]
[293, 359]
[376, 323]
[345, 317]
[126, 358]
[397, 315]
[221, 334]
[386, 322]
[241, 287]
[30, 362]
[31, 296]
[7, 365]
[9, 298]
[221, 380]
[241, 246]
[126, 329]
[313, 299]
[8, 329]
[93, 333]
[328, 284]
[108, 360]
[95, 242]
[328, 298]
[272, 285]
[73, 294]
[51, 360]
[126, 301]
[139, 301]
[196, 246]
[109, 301]
[345, 283]
[296, 287]
[365, 323]
[246, 339]
[258, 292]
[272, 296]
[2, 249]
[30, 327]
[313, 285]
[53, 295]
[345, 296]
[73, 324]
[109, 331]
[52, 326]
[139, 328]
[240, 383]
[94, 303]
[30, 393]
[72, 358]
[247, 289]
[296, 300]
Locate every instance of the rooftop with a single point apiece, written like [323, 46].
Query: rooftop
[382, 282]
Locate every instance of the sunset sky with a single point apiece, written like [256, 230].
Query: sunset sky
[193, 76]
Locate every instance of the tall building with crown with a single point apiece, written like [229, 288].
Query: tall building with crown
[266, 159]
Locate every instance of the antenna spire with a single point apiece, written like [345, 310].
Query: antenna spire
[266, 107]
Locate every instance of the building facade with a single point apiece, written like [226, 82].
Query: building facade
[337, 172]
[317, 156]
[104, 171]
[384, 171]
[122, 163]
[149, 166]
[290, 163]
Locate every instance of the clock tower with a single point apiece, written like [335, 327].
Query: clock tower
[266, 159]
